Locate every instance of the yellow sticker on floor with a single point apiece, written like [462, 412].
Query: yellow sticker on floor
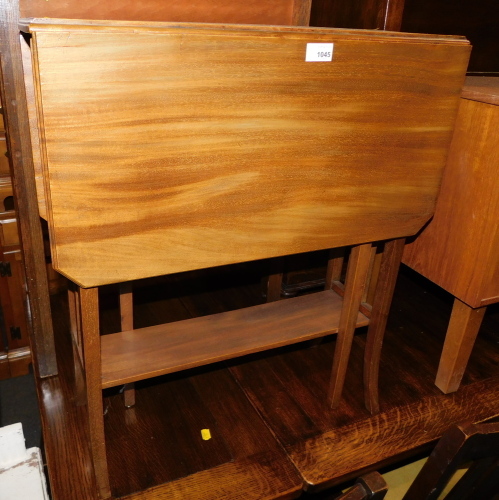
[206, 434]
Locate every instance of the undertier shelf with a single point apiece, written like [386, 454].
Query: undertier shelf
[157, 350]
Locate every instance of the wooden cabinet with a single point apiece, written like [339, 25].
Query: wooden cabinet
[15, 355]
[459, 249]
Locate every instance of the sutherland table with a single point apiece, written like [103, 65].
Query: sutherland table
[166, 148]
[459, 249]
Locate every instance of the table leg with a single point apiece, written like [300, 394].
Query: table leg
[459, 341]
[274, 280]
[126, 314]
[76, 338]
[358, 267]
[89, 306]
[385, 286]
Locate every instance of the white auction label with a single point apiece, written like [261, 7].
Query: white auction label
[317, 52]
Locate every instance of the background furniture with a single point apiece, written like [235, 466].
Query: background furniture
[15, 355]
[462, 465]
[478, 20]
[15, 351]
[459, 248]
[370, 486]
[475, 446]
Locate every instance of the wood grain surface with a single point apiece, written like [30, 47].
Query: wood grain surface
[317, 458]
[89, 303]
[156, 350]
[482, 89]
[329, 447]
[18, 133]
[242, 460]
[409, 360]
[220, 11]
[203, 146]
[459, 249]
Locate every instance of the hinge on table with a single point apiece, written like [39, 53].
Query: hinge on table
[5, 269]
[15, 332]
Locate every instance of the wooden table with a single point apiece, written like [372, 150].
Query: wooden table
[278, 149]
[459, 249]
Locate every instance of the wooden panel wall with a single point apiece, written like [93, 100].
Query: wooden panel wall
[208, 11]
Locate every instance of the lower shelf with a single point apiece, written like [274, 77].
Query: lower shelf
[148, 352]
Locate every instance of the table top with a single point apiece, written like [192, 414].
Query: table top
[482, 88]
[189, 142]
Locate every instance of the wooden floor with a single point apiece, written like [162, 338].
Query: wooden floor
[158, 442]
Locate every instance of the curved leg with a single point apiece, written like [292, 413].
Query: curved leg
[390, 263]
[459, 341]
[76, 337]
[358, 267]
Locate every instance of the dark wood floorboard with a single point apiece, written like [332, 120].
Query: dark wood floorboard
[336, 445]
[159, 440]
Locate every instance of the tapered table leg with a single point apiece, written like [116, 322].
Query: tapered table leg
[126, 314]
[274, 280]
[358, 267]
[388, 272]
[89, 304]
[76, 337]
[459, 341]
